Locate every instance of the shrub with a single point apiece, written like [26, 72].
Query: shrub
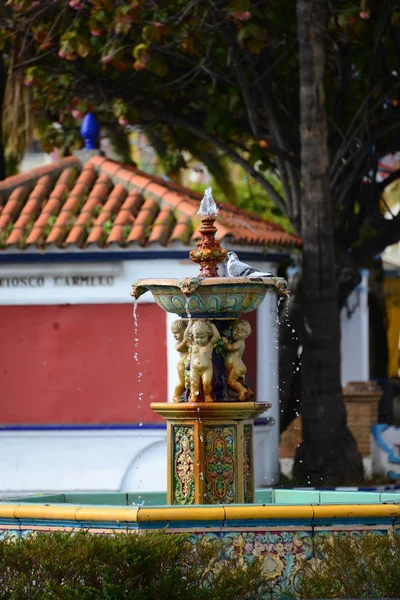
[353, 566]
[152, 566]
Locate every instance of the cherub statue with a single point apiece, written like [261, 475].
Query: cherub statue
[202, 337]
[178, 328]
[236, 369]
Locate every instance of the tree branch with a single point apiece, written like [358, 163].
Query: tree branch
[233, 155]
[352, 133]
[251, 112]
[286, 170]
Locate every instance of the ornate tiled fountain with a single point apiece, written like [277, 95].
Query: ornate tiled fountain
[210, 423]
[210, 419]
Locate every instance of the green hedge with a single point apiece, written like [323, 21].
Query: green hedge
[353, 566]
[151, 566]
[162, 566]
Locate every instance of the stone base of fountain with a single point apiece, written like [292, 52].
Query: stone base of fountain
[210, 451]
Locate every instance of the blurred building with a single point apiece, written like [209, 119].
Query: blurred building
[78, 374]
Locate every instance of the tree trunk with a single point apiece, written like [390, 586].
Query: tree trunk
[291, 335]
[328, 453]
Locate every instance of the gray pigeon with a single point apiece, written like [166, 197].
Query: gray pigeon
[236, 268]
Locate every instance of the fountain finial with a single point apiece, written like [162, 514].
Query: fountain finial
[207, 205]
[208, 252]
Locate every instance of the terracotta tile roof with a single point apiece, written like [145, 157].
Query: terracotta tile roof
[103, 203]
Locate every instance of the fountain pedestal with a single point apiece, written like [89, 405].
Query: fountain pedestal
[210, 423]
[210, 451]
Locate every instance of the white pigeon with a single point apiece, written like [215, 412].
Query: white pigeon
[236, 268]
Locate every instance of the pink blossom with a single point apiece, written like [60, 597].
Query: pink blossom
[96, 32]
[77, 114]
[364, 14]
[123, 121]
[62, 53]
[242, 16]
[106, 58]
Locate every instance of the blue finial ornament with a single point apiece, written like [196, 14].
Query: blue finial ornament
[90, 131]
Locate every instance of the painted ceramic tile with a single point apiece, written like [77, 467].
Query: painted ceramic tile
[183, 465]
[280, 551]
[219, 467]
[248, 482]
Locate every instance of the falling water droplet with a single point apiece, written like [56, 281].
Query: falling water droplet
[135, 303]
[187, 301]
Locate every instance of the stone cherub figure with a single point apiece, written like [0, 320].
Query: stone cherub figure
[202, 337]
[236, 369]
[178, 328]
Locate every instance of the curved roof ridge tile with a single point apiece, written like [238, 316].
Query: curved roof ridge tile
[132, 207]
[30, 209]
[14, 202]
[84, 221]
[143, 222]
[162, 226]
[51, 208]
[30, 178]
[115, 199]
[125, 217]
[71, 205]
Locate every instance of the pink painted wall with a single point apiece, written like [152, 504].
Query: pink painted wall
[75, 364]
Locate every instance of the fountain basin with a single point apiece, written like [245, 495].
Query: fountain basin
[212, 297]
[280, 528]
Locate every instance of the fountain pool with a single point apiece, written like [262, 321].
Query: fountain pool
[280, 525]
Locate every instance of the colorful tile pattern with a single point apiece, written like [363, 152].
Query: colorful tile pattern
[248, 482]
[71, 205]
[183, 461]
[280, 551]
[219, 465]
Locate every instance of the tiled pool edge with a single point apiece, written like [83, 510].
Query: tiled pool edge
[281, 534]
[281, 514]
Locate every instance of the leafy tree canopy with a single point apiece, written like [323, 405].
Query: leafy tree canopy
[217, 76]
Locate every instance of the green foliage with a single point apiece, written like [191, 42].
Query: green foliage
[153, 566]
[214, 80]
[4, 234]
[107, 226]
[353, 566]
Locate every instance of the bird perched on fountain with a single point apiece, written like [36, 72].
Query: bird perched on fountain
[237, 268]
